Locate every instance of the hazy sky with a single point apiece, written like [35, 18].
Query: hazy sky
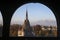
[36, 12]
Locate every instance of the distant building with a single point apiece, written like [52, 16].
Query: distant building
[20, 32]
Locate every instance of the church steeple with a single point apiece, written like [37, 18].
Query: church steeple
[27, 30]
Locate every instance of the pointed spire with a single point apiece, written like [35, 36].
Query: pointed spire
[26, 14]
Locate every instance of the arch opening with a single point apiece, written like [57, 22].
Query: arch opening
[1, 24]
[35, 18]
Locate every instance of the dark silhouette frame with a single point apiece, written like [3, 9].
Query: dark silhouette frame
[8, 8]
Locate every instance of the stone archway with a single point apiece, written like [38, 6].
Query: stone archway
[25, 23]
[10, 6]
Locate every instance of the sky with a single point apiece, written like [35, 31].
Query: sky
[36, 12]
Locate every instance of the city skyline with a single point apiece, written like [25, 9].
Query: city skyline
[36, 12]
